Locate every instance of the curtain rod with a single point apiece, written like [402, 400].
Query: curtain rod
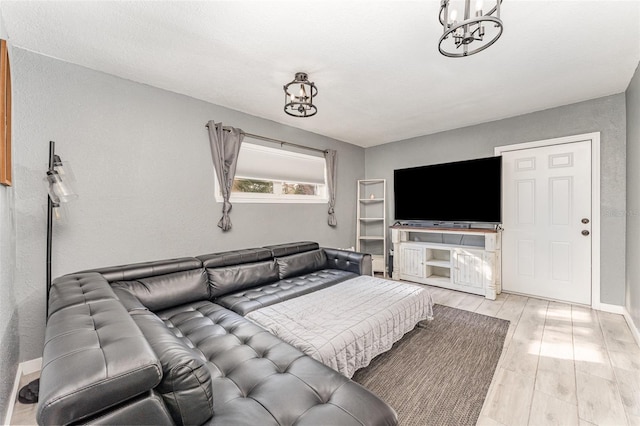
[264, 138]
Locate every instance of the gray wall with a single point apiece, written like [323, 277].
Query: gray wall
[9, 338]
[144, 174]
[633, 198]
[605, 115]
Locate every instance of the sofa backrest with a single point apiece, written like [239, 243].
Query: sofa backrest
[165, 291]
[298, 258]
[280, 250]
[134, 271]
[235, 270]
[301, 263]
[234, 257]
[161, 284]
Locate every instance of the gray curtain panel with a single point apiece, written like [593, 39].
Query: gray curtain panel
[332, 181]
[225, 147]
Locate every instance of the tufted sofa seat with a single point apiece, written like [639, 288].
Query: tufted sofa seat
[249, 300]
[150, 343]
[258, 379]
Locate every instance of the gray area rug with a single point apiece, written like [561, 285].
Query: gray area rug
[440, 374]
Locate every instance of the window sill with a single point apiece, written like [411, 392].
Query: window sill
[274, 200]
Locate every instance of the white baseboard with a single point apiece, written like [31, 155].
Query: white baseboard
[14, 394]
[24, 368]
[31, 366]
[632, 326]
[612, 309]
[622, 310]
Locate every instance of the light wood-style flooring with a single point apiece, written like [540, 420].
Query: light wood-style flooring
[561, 364]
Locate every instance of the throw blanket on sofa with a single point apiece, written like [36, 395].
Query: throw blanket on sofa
[346, 325]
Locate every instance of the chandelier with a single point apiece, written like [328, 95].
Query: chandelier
[474, 33]
[298, 96]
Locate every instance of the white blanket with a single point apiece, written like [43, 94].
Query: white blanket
[346, 325]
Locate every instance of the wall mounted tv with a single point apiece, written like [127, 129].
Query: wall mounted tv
[462, 192]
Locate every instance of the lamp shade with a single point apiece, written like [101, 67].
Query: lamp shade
[60, 190]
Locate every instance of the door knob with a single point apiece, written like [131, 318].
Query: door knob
[585, 232]
[585, 220]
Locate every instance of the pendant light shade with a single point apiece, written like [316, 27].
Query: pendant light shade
[298, 96]
[468, 29]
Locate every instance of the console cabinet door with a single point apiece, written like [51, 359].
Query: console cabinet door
[412, 261]
[468, 268]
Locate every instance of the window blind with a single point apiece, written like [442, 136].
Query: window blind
[264, 163]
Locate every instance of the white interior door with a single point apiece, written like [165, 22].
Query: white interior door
[547, 222]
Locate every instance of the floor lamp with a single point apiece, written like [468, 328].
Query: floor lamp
[60, 191]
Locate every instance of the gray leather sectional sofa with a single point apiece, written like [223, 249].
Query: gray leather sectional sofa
[166, 342]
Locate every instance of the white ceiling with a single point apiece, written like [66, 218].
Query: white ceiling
[376, 63]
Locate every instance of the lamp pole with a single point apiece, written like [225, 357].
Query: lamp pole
[50, 206]
[57, 192]
[29, 393]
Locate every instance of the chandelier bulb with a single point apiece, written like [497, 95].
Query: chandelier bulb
[57, 214]
[479, 5]
[453, 15]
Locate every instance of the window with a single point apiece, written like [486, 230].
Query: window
[270, 175]
[5, 116]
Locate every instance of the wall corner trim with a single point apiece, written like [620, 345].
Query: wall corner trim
[632, 326]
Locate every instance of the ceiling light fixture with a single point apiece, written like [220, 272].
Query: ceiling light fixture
[470, 35]
[298, 96]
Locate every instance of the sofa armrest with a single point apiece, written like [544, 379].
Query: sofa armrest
[186, 383]
[95, 357]
[346, 260]
[78, 289]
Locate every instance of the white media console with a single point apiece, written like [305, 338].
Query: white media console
[464, 259]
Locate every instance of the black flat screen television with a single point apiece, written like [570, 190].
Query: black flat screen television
[463, 191]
